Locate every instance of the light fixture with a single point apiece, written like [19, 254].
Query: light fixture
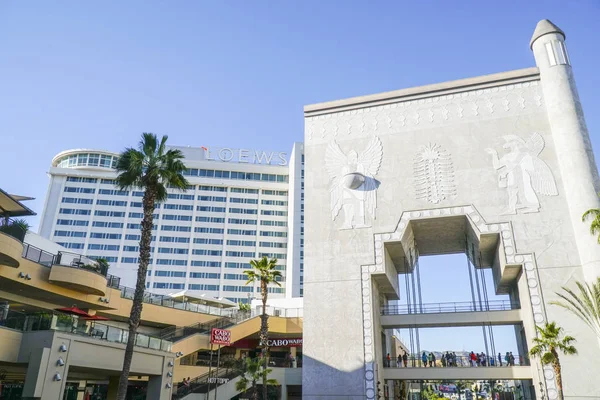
[60, 362]
[28, 277]
[57, 377]
[169, 374]
[168, 385]
[21, 274]
[171, 363]
[63, 348]
[100, 299]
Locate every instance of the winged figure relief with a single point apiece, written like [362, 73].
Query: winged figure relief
[353, 183]
[523, 174]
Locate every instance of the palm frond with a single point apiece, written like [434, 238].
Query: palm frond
[548, 358]
[148, 144]
[594, 212]
[585, 305]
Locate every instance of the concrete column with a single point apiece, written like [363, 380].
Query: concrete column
[284, 395]
[113, 388]
[81, 393]
[157, 388]
[571, 138]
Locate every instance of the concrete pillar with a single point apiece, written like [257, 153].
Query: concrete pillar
[284, 395]
[81, 393]
[113, 388]
[157, 388]
[571, 138]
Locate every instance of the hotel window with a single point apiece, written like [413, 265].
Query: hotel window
[208, 241]
[131, 248]
[237, 265]
[73, 200]
[210, 209]
[273, 223]
[274, 202]
[229, 288]
[217, 220]
[173, 274]
[242, 200]
[103, 213]
[71, 245]
[212, 198]
[168, 261]
[241, 232]
[70, 234]
[102, 235]
[176, 228]
[276, 245]
[174, 239]
[212, 188]
[114, 192]
[104, 224]
[203, 263]
[273, 234]
[73, 222]
[183, 207]
[246, 254]
[242, 211]
[70, 189]
[244, 190]
[247, 243]
[180, 196]
[114, 203]
[171, 250]
[165, 285]
[208, 230]
[205, 275]
[172, 217]
[205, 252]
[198, 286]
[74, 211]
[275, 213]
[242, 221]
[106, 247]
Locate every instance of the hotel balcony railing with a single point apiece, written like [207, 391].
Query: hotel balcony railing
[78, 326]
[453, 307]
[14, 228]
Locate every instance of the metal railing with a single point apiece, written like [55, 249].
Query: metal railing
[235, 317]
[417, 361]
[79, 261]
[76, 325]
[15, 228]
[452, 307]
[37, 255]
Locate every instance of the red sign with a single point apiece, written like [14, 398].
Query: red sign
[220, 336]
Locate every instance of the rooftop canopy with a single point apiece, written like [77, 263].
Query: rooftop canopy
[186, 296]
[11, 206]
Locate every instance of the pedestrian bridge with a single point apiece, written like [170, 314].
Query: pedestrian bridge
[466, 373]
[450, 315]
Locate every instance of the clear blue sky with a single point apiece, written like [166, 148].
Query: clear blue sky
[237, 73]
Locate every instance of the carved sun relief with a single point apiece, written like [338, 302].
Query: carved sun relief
[523, 174]
[353, 184]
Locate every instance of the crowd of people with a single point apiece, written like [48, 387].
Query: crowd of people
[450, 359]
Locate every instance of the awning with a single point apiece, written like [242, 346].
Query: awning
[74, 311]
[203, 298]
[11, 206]
[96, 317]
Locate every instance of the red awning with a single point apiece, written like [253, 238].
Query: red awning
[96, 318]
[73, 310]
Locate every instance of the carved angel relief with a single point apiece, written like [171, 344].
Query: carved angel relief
[523, 174]
[353, 184]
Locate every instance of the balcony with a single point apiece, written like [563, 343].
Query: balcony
[60, 322]
[78, 272]
[12, 233]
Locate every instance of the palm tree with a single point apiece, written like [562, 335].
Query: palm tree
[254, 370]
[595, 225]
[150, 167]
[547, 346]
[585, 305]
[265, 272]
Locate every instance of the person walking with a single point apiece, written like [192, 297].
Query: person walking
[473, 359]
[430, 359]
[388, 360]
[424, 359]
[443, 360]
[507, 359]
[399, 362]
[405, 359]
[512, 359]
[433, 359]
[500, 359]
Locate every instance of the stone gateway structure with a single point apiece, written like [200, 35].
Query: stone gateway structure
[499, 167]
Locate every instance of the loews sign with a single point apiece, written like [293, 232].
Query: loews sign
[220, 336]
[227, 154]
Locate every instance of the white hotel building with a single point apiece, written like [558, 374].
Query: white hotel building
[240, 205]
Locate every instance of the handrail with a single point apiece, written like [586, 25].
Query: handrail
[417, 361]
[56, 321]
[455, 307]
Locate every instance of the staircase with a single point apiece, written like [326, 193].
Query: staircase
[174, 334]
[206, 382]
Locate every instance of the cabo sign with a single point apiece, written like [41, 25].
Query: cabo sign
[247, 156]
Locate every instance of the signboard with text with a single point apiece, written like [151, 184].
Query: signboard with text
[296, 342]
[247, 156]
[220, 336]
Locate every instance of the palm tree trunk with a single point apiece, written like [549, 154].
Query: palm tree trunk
[264, 334]
[140, 287]
[558, 374]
